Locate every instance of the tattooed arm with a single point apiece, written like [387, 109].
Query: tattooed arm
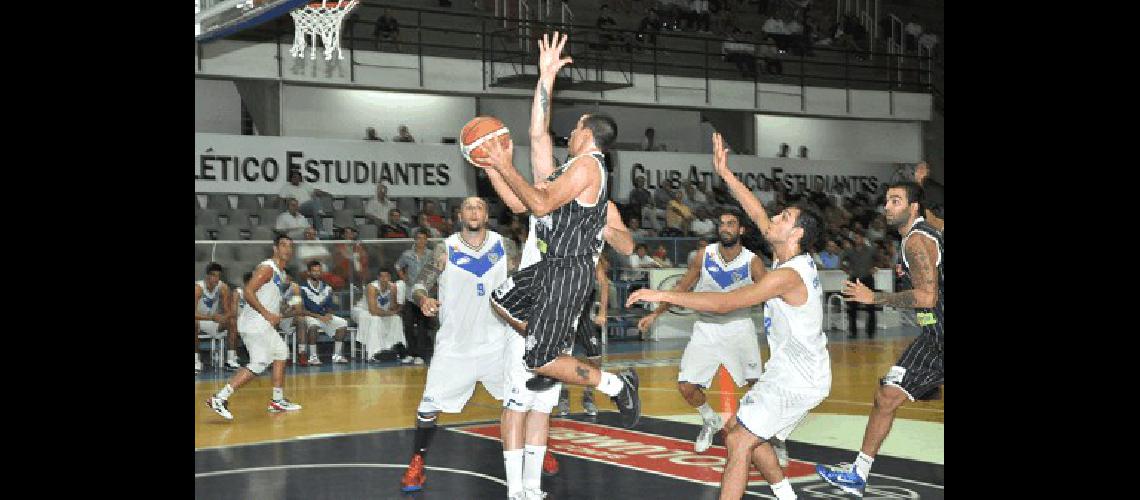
[429, 274]
[513, 255]
[921, 255]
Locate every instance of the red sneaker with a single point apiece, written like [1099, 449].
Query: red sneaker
[302, 359]
[549, 465]
[414, 477]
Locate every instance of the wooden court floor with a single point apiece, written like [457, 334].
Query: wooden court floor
[351, 398]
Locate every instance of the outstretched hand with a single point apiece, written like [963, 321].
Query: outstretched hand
[920, 172]
[858, 292]
[720, 156]
[549, 54]
[643, 295]
[498, 155]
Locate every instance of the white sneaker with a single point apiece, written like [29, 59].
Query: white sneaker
[407, 359]
[781, 448]
[220, 406]
[337, 358]
[419, 361]
[197, 366]
[280, 405]
[232, 364]
[314, 360]
[708, 430]
[534, 494]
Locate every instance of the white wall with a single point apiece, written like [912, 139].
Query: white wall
[345, 113]
[217, 107]
[830, 139]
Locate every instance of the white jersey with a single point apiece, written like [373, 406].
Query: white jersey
[799, 361]
[383, 295]
[209, 301]
[720, 276]
[269, 295]
[466, 322]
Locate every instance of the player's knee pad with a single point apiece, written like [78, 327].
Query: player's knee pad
[426, 419]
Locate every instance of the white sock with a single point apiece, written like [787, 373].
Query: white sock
[337, 347]
[709, 415]
[513, 460]
[610, 384]
[226, 392]
[278, 394]
[301, 348]
[863, 465]
[532, 467]
[313, 349]
[783, 490]
[231, 355]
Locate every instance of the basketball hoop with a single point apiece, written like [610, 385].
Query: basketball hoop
[321, 19]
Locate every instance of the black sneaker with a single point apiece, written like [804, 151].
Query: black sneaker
[628, 401]
[539, 383]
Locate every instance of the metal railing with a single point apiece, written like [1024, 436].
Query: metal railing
[785, 59]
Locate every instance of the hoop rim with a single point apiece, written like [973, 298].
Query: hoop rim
[334, 4]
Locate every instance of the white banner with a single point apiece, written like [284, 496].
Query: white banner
[831, 177]
[260, 165]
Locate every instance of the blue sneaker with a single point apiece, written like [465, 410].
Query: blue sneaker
[844, 477]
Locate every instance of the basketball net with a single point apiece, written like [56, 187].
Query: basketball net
[321, 19]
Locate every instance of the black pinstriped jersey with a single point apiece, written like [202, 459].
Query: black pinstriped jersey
[574, 229]
[930, 318]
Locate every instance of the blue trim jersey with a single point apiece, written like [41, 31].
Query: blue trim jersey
[316, 299]
[467, 323]
[720, 276]
[208, 303]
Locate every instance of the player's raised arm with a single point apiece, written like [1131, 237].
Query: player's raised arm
[748, 201]
[561, 191]
[541, 145]
[616, 233]
[773, 284]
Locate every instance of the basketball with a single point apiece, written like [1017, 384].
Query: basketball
[478, 131]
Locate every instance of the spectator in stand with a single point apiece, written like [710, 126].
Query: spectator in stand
[387, 28]
[308, 197]
[678, 217]
[784, 150]
[640, 259]
[424, 224]
[604, 22]
[416, 325]
[402, 135]
[829, 257]
[648, 143]
[370, 135]
[701, 245]
[307, 250]
[703, 223]
[661, 198]
[844, 36]
[636, 230]
[639, 197]
[394, 228]
[661, 256]
[878, 229]
[434, 217]
[858, 263]
[350, 260]
[376, 209]
[291, 222]
[913, 31]
[700, 16]
[738, 50]
[648, 28]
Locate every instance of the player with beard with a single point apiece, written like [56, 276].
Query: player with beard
[727, 339]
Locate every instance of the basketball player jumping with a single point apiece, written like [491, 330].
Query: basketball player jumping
[919, 371]
[256, 322]
[718, 339]
[798, 375]
[571, 216]
[471, 343]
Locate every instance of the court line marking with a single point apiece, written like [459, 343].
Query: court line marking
[299, 438]
[357, 465]
[660, 436]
